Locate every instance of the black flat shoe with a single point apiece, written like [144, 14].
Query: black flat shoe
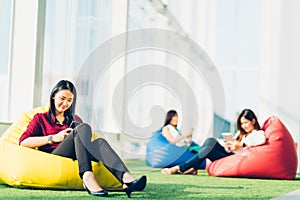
[101, 193]
[136, 185]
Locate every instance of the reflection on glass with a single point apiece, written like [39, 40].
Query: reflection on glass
[5, 24]
[73, 29]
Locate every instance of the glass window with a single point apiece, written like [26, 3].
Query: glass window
[237, 52]
[73, 29]
[230, 30]
[145, 14]
[5, 27]
[238, 31]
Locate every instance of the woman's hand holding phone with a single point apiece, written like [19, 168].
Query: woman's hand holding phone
[230, 146]
[229, 142]
[190, 133]
[60, 136]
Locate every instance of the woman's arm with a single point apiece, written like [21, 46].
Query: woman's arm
[33, 136]
[34, 129]
[233, 145]
[37, 141]
[253, 139]
[166, 133]
[180, 138]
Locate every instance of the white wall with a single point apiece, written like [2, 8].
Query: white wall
[280, 82]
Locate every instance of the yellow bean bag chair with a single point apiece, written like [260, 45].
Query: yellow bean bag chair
[25, 167]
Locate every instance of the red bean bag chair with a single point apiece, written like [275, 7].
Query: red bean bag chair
[276, 159]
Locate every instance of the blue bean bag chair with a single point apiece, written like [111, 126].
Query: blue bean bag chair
[161, 153]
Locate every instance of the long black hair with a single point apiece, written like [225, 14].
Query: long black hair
[169, 116]
[248, 114]
[63, 85]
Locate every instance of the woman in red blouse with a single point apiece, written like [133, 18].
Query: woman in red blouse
[51, 132]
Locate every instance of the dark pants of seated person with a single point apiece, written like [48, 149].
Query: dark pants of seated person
[211, 149]
[78, 146]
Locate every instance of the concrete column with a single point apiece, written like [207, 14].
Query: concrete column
[23, 56]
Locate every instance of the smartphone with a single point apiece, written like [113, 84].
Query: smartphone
[228, 136]
[74, 124]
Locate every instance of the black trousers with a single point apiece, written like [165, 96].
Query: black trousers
[211, 149]
[78, 146]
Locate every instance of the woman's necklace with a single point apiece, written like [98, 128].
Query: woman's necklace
[60, 119]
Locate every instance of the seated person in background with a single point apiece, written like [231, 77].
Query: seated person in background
[173, 134]
[249, 134]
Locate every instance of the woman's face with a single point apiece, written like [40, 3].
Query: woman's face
[174, 120]
[63, 101]
[247, 125]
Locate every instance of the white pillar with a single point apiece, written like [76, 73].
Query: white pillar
[280, 91]
[23, 56]
[118, 26]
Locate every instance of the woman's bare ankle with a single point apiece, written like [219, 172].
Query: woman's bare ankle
[191, 171]
[175, 169]
[128, 177]
[90, 181]
[87, 175]
[171, 170]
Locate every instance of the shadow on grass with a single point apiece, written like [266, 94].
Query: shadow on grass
[187, 191]
[152, 191]
[171, 187]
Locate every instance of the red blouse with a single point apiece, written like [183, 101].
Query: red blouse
[43, 125]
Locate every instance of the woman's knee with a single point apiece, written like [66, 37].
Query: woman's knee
[83, 129]
[102, 141]
[82, 126]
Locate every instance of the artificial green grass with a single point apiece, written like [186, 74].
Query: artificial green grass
[201, 186]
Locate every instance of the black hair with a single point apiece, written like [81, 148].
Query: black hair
[169, 116]
[63, 85]
[248, 114]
